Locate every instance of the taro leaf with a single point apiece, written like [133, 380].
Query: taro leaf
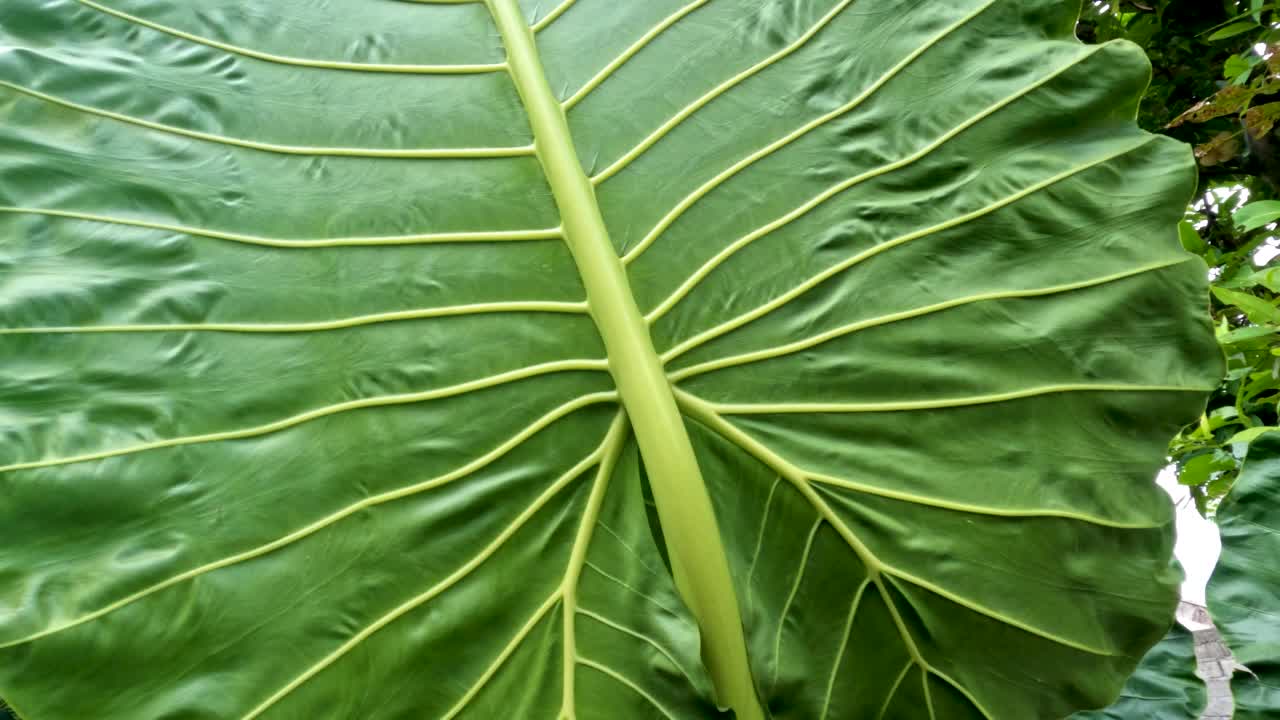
[1164, 686]
[1244, 591]
[325, 391]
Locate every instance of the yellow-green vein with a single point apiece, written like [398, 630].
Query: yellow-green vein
[626, 682]
[844, 644]
[764, 522]
[318, 326]
[553, 15]
[814, 340]
[638, 636]
[613, 444]
[387, 240]
[893, 689]
[928, 697]
[405, 154]
[971, 509]
[997, 616]
[507, 651]
[912, 405]
[791, 597]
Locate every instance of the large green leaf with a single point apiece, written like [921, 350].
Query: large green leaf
[1164, 686]
[340, 341]
[1244, 592]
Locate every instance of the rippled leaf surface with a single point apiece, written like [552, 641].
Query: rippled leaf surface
[343, 343]
[1244, 592]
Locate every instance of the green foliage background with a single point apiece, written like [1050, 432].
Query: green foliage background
[1216, 84]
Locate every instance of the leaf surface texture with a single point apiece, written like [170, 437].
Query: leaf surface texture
[345, 342]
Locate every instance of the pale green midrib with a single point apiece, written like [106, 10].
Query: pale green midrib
[699, 563]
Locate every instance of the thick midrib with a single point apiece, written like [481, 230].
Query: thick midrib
[698, 559]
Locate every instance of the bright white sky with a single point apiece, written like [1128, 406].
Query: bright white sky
[1198, 543]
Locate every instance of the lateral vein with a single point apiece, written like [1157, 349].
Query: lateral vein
[628, 683]
[310, 415]
[969, 508]
[791, 596]
[612, 449]
[429, 154]
[318, 326]
[512, 645]
[553, 15]
[844, 644]
[637, 635]
[630, 52]
[764, 523]
[893, 689]
[843, 330]
[387, 240]
[906, 406]
[995, 615]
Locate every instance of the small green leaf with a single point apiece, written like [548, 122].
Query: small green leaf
[1199, 469]
[1255, 308]
[1237, 68]
[1256, 214]
[1269, 278]
[1236, 28]
[1245, 334]
[1246, 436]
